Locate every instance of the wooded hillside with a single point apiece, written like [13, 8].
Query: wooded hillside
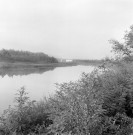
[25, 56]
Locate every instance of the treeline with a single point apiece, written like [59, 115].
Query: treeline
[25, 56]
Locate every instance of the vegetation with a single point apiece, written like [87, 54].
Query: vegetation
[25, 56]
[26, 117]
[99, 103]
[96, 104]
[88, 62]
[124, 50]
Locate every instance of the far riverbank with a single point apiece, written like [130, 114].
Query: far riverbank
[34, 65]
[42, 65]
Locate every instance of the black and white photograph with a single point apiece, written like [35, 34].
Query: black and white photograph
[66, 67]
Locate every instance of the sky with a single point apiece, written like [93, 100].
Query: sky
[71, 29]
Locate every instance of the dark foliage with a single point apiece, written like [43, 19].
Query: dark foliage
[124, 50]
[26, 117]
[25, 56]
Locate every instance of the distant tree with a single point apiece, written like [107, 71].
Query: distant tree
[124, 50]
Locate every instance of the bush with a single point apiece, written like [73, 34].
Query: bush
[26, 117]
[97, 104]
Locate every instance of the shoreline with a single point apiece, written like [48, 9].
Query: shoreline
[23, 68]
[8, 65]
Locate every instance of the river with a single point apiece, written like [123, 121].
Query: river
[38, 84]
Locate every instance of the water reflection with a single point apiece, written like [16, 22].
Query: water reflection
[23, 71]
[38, 82]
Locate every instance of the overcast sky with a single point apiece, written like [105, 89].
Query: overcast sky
[64, 28]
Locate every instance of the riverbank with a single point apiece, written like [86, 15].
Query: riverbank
[18, 68]
[34, 65]
[42, 65]
[23, 68]
[69, 105]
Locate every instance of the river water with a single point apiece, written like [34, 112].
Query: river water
[38, 83]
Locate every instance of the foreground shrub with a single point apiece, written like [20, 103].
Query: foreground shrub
[97, 104]
[26, 117]
[75, 107]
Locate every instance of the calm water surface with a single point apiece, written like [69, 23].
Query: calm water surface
[38, 84]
